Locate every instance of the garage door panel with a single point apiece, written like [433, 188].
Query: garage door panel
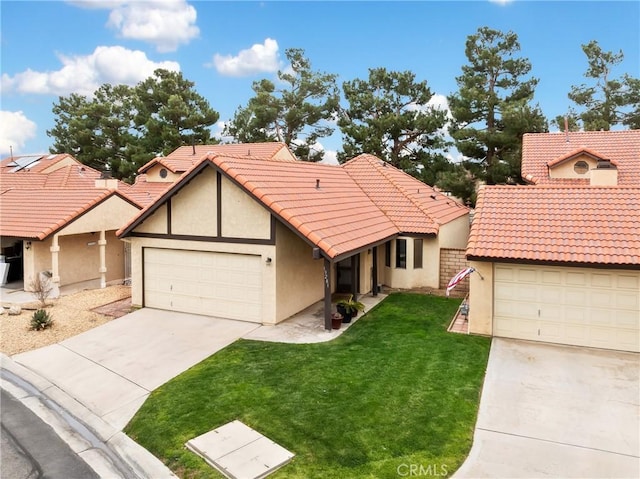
[579, 306]
[201, 282]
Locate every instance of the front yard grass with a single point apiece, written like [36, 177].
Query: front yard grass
[394, 390]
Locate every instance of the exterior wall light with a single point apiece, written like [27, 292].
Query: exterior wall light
[268, 261]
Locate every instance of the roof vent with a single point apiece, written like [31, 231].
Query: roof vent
[317, 183]
[433, 197]
[604, 164]
[106, 174]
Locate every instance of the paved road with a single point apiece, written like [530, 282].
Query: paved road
[30, 449]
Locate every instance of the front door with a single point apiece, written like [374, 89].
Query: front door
[347, 275]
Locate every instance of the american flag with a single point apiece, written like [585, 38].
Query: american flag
[457, 278]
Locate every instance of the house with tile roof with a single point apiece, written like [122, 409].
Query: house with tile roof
[60, 217]
[258, 236]
[559, 261]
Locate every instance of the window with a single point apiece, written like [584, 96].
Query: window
[387, 254]
[401, 253]
[581, 167]
[417, 253]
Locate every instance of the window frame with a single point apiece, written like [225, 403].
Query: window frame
[401, 253]
[417, 253]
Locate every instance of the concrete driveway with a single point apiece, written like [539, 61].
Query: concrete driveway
[557, 411]
[112, 369]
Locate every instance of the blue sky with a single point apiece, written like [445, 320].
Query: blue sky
[53, 48]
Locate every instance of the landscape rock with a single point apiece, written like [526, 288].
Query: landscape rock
[15, 310]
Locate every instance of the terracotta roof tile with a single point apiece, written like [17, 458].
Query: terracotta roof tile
[339, 209]
[185, 157]
[36, 213]
[412, 205]
[595, 225]
[541, 149]
[145, 192]
[38, 201]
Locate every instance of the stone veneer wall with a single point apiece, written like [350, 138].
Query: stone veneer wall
[451, 262]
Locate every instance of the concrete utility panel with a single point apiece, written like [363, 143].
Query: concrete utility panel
[239, 452]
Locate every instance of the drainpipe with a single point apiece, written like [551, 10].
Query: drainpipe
[102, 242]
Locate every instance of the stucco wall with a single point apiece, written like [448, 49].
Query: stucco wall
[36, 259]
[566, 168]
[455, 234]
[156, 223]
[299, 277]
[481, 298]
[242, 216]
[153, 175]
[193, 208]
[111, 214]
[268, 271]
[408, 278]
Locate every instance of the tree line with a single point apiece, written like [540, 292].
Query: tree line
[390, 114]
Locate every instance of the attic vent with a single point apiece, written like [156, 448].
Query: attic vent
[581, 167]
[605, 165]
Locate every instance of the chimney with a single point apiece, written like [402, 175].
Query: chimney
[604, 174]
[106, 180]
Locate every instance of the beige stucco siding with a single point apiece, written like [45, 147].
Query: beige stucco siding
[454, 234]
[79, 258]
[193, 209]
[566, 168]
[36, 259]
[481, 298]
[111, 214]
[265, 251]
[408, 278]
[156, 223]
[299, 278]
[242, 216]
[153, 175]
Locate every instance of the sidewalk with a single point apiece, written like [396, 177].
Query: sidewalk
[108, 451]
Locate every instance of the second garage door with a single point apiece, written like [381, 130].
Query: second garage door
[577, 306]
[201, 282]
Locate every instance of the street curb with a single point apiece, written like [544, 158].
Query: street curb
[108, 451]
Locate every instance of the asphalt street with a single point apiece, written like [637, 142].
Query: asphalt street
[30, 449]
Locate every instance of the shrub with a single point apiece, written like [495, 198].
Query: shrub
[41, 287]
[41, 319]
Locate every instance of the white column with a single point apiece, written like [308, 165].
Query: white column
[55, 271]
[102, 243]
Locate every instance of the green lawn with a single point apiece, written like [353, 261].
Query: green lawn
[394, 390]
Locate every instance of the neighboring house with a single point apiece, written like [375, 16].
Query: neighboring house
[155, 177]
[59, 216]
[261, 238]
[560, 262]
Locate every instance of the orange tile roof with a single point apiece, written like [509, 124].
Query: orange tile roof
[329, 205]
[412, 205]
[35, 204]
[145, 192]
[37, 213]
[541, 150]
[588, 225]
[185, 157]
[35, 163]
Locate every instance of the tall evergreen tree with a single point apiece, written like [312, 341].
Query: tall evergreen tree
[607, 101]
[298, 114]
[390, 116]
[123, 127]
[491, 109]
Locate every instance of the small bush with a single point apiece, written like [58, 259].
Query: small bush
[41, 287]
[41, 319]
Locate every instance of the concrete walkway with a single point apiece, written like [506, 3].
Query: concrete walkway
[557, 411]
[112, 369]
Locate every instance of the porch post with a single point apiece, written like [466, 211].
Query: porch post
[374, 271]
[354, 275]
[102, 243]
[327, 294]
[55, 270]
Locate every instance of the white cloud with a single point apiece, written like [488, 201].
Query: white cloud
[15, 130]
[258, 58]
[330, 157]
[83, 74]
[167, 24]
[501, 2]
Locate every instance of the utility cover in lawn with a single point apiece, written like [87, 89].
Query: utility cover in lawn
[239, 452]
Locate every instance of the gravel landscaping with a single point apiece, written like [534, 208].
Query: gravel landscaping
[72, 315]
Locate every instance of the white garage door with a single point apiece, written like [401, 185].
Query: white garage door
[214, 284]
[578, 306]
